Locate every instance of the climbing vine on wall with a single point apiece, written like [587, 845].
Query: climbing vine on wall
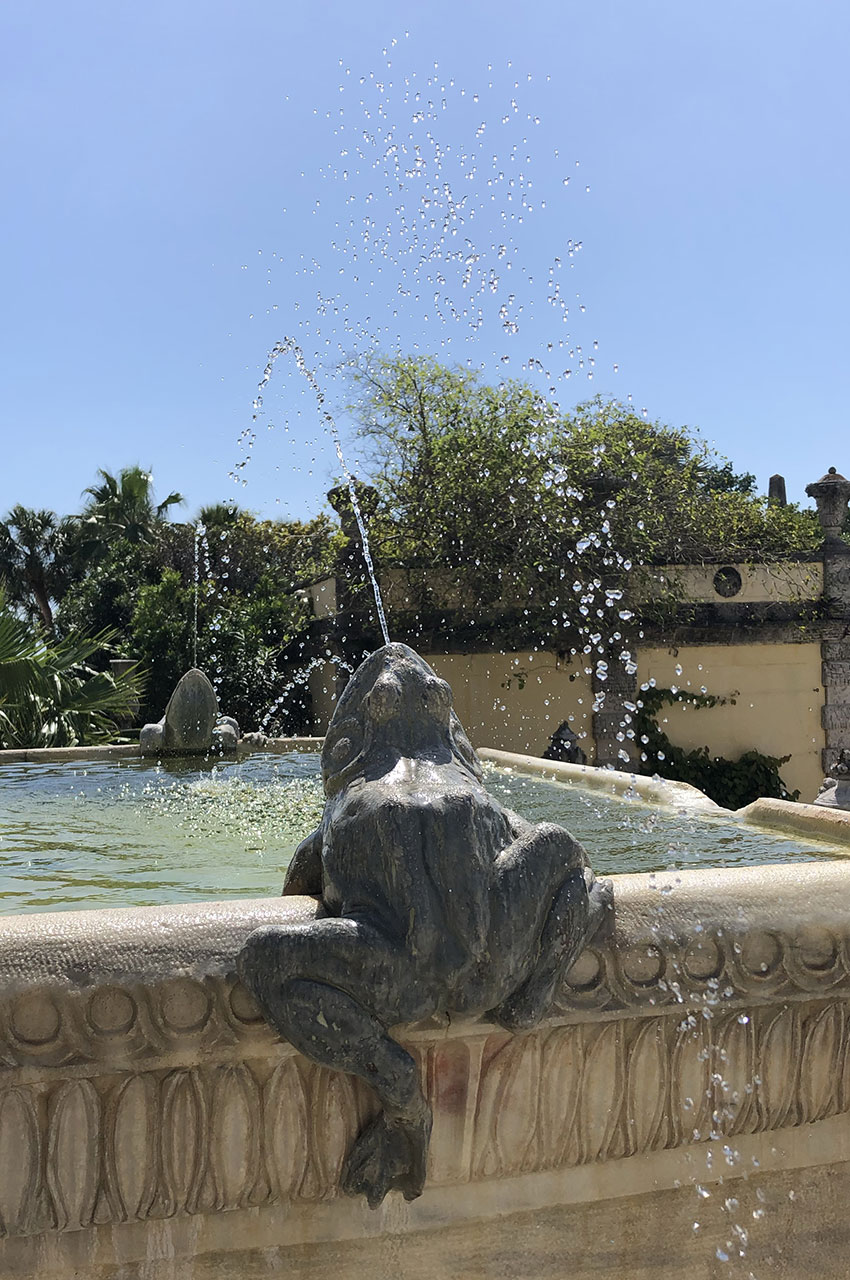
[731, 783]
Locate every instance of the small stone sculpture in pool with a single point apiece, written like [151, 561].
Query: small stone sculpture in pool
[438, 900]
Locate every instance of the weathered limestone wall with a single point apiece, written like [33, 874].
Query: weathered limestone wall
[789, 582]
[151, 1127]
[777, 694]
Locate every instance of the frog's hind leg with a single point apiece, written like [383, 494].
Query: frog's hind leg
[332, 987]
[565, 907]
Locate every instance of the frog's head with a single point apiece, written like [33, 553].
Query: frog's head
[394, 705]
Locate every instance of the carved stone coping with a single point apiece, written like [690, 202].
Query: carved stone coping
[51, 755]
[157, 983]
[830, 826]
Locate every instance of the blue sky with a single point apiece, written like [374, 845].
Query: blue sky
[178, 200]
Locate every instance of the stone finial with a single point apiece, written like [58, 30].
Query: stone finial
[831, 493]
[564, 745]
[776, 491]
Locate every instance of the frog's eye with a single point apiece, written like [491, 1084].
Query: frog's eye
[384, 700]
[341, 746]
[437, 696]
[341, 751]
[464, 746]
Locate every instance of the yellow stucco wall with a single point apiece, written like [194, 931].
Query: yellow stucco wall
[778, 698]
[776, 687]
[509, 719]
[514, 718]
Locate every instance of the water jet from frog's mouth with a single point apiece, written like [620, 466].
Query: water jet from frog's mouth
[394, 706]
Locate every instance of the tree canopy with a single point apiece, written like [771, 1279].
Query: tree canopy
[226, 591]
[492, 491]
[124, 506]
[33, 553]
[239, 580]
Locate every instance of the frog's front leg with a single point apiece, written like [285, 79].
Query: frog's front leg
[332, 987]
[304, 873]
[549, 905]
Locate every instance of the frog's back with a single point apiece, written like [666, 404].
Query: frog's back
[418, 860]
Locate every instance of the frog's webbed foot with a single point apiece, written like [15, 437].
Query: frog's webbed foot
[390, 1154]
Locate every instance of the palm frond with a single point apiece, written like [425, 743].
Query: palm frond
[49, 696]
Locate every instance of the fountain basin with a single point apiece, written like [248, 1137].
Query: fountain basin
[159, 1129]
[112, 830]
[153, 1127]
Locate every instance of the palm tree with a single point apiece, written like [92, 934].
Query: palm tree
[219, 514]
[32, 548]
[49, 695]
[124, 506]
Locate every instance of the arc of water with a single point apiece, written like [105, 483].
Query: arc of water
[288, 346]
[314, 664]
[199, 529]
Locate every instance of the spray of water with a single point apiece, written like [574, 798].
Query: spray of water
[453, 246]
[288, 346]
[199, 534]
[301, 678]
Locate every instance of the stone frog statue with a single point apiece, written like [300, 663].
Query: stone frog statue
[437, 900]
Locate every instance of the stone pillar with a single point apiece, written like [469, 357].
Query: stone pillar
[835, 652]
[776, 491]
[614, 685]
[831, 494]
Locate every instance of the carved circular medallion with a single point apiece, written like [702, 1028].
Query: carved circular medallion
[35, 1019]
[761, 954]
[111, 1011]
[586, 972]
[728, 581]
[185, 1005]
[703, 959]
[243, 1006]
[816, 948]
[642, 965]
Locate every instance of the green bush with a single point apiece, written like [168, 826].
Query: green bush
[731, 783]
[241, 646]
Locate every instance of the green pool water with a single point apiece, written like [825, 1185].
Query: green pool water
[127, 833]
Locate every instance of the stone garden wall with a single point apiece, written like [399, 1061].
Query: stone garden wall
[772, 640]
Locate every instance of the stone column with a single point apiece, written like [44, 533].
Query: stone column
[831, 494]
[835, 652]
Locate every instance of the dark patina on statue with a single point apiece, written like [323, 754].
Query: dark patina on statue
[438, 901]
